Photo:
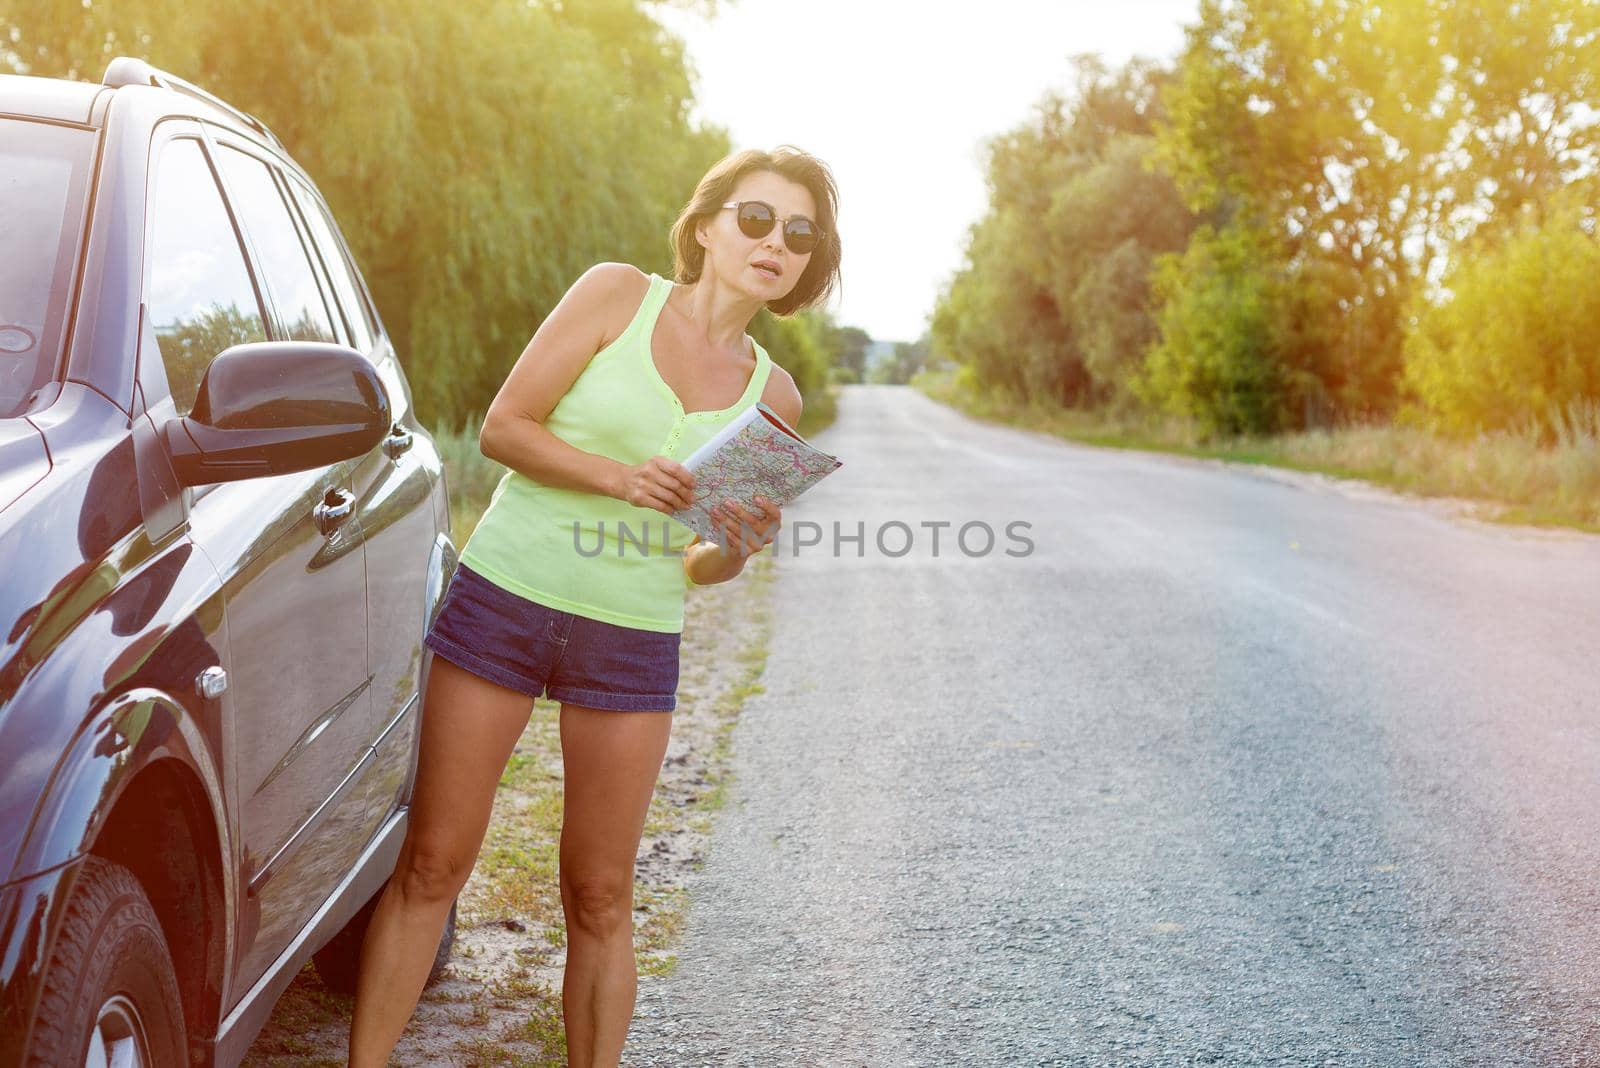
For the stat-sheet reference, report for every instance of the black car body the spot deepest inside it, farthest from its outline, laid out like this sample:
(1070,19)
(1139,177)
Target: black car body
(214,687)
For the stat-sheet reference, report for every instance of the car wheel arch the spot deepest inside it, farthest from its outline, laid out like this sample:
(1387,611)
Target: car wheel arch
(165,800)
(110,808)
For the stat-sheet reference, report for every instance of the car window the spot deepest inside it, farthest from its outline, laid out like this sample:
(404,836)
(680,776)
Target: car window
(44,173)
(330,299)
(201,299)
(333,259)
(301,312)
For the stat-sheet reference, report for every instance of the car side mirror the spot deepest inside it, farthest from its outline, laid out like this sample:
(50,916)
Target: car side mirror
(272,407)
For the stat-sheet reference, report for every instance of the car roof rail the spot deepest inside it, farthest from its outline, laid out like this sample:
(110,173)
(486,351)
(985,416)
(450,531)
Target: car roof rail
(130,70)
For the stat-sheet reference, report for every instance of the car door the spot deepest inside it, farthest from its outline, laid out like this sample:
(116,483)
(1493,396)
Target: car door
(395,506)
(287,547)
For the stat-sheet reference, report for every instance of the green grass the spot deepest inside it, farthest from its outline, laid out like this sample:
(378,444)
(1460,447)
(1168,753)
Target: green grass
(1520,478)
(520,851)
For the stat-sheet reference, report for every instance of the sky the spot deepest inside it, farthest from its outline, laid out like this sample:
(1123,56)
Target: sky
(898,99)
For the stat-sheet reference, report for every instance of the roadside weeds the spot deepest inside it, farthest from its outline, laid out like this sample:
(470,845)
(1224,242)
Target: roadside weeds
(1502,478)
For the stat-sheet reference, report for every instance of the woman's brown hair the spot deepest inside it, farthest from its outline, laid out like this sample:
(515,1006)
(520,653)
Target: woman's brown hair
(821,272)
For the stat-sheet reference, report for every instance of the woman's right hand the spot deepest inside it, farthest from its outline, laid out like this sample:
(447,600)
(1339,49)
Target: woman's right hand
(660,483)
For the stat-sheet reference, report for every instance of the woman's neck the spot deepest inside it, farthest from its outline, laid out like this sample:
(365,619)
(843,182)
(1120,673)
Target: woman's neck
(715,315)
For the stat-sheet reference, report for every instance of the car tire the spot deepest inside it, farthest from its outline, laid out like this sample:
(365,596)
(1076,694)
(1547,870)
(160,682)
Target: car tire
(110,980)
(339,962)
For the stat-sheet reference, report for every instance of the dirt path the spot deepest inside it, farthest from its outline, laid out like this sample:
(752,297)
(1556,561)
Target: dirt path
(499,1002)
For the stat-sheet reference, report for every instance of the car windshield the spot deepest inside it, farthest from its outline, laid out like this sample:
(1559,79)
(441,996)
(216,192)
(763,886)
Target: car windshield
(44,175)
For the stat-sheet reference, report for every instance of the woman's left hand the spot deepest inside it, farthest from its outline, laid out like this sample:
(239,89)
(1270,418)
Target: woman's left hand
(746,532)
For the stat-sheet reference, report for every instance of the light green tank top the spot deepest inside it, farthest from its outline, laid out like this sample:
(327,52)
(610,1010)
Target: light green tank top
(587,553)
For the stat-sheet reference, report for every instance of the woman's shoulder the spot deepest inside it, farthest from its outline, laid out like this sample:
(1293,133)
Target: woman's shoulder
(619,281)
(781,394)
(614,273)
(619,288)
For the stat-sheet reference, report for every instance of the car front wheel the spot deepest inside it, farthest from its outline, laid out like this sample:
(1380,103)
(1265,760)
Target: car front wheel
(110,994)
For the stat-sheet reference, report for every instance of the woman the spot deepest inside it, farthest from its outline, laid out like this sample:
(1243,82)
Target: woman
(625,378)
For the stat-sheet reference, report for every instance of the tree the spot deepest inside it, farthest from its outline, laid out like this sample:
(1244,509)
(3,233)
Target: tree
(479,156)
(909,357)
(1052,303)
(1513,341)
(1218,361)
(850,353)
(1371,139)
(1105,228)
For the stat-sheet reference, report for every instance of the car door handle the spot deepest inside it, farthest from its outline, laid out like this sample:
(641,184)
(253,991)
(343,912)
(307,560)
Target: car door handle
(398,441)
(336,506)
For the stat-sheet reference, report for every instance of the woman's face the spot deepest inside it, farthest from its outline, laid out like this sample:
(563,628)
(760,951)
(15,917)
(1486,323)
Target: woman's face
(732,255)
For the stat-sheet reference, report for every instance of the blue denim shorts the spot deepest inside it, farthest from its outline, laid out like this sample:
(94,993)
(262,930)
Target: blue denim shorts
(535,649)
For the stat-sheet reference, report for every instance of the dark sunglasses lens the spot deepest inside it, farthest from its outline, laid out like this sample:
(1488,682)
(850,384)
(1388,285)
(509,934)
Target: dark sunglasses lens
(800,235)
(755,219)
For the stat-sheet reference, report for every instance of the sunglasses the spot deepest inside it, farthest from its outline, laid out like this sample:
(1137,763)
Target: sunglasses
(756,217)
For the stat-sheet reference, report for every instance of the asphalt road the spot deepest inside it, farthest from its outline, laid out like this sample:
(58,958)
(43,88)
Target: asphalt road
(1230,768)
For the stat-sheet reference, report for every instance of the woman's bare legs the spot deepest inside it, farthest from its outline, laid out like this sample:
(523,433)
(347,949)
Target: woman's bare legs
(469,728)
(610,762)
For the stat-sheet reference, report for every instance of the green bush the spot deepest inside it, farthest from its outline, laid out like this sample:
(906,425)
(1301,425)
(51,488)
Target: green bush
(1516,342)
(1216,359)
(800,345)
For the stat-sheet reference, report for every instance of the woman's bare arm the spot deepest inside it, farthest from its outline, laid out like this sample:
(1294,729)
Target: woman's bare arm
(513,430)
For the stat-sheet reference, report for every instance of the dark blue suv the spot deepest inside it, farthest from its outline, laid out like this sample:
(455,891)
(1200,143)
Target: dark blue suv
(223,534)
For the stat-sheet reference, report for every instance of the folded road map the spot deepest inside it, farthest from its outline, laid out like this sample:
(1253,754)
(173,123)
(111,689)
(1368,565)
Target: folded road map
(756,454)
